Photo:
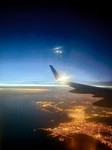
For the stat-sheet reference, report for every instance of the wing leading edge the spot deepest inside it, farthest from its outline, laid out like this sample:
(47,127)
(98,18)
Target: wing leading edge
(81,88)
(72,84)
(56,74)
(102,92)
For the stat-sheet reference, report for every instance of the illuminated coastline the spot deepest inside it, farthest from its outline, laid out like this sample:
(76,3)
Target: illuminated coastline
(79,123)
(82,126)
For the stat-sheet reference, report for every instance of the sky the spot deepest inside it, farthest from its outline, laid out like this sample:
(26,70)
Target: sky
(74,38)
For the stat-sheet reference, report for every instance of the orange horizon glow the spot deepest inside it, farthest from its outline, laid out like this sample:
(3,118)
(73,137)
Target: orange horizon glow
(27,89)
(34,89)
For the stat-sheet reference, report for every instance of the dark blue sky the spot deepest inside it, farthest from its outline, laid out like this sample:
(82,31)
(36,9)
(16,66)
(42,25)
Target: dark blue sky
(30,32)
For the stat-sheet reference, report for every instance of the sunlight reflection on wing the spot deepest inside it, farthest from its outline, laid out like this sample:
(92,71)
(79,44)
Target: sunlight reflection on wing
(63,79)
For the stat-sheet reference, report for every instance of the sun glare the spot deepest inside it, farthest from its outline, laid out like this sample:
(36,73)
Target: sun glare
(63,79)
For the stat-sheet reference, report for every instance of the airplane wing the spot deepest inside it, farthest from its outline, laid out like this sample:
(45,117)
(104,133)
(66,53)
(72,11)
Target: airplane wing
(56,74)
(103,92)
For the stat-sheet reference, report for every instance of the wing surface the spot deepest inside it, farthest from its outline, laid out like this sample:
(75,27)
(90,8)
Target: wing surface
(104,93)
(56,74)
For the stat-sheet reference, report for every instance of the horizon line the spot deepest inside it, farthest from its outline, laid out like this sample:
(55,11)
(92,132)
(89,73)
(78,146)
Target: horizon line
(28,85)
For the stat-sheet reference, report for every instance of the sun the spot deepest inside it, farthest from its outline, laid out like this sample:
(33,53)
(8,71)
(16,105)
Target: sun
(63,79)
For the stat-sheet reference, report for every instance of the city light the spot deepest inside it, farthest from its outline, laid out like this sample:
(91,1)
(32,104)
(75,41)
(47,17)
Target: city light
(79,123)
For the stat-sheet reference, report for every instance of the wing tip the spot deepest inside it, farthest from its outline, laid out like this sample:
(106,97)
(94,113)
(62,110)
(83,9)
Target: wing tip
(56,74)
